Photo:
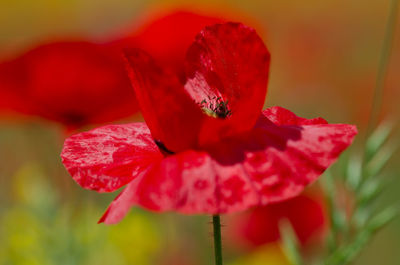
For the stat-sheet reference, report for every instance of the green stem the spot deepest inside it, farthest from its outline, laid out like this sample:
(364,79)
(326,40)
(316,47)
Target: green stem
(383,65)
(380,79)
(217,239)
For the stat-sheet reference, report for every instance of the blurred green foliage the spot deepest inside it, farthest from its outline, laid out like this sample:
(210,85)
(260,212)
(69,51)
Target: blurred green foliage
(38,229)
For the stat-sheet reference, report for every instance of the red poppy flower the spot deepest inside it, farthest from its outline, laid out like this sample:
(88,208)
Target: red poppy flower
(74,83)
(306,214)
(207,147)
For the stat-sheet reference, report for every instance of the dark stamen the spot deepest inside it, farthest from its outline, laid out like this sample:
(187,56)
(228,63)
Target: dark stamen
(164,150)
(216,107)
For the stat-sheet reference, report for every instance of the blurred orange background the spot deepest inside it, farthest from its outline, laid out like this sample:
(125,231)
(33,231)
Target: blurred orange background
(325,57)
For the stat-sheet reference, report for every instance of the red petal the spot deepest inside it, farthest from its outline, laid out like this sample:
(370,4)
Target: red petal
(282,116)
(280,160)
(122,203)
(107,158)
(286,152)
(170,113)
(229,61)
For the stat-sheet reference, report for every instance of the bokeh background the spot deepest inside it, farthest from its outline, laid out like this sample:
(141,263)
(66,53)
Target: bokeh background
(325,58)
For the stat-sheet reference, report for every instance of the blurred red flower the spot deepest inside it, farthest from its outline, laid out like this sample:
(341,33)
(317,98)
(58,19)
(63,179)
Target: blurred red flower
(167,36)
(75,83)
(78,82)
(208,147)
(259,226)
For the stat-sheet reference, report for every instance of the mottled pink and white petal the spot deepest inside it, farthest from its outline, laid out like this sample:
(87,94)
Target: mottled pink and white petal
(192,183)
(282,159)
(235,189)
(106,158)
(184,182)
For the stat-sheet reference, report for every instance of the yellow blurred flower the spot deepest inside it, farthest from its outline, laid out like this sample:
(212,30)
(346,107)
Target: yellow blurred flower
(268,254)
(137,237)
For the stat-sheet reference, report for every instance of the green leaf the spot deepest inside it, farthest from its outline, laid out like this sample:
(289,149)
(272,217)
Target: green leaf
(290,243)
(361,217)
(354,172)
(348,252)
(377,139)
(383,218)
(339,220)
(377,163)
(370,191)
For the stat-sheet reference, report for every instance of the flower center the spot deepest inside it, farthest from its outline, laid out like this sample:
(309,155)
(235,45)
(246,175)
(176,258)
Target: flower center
(216,107)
